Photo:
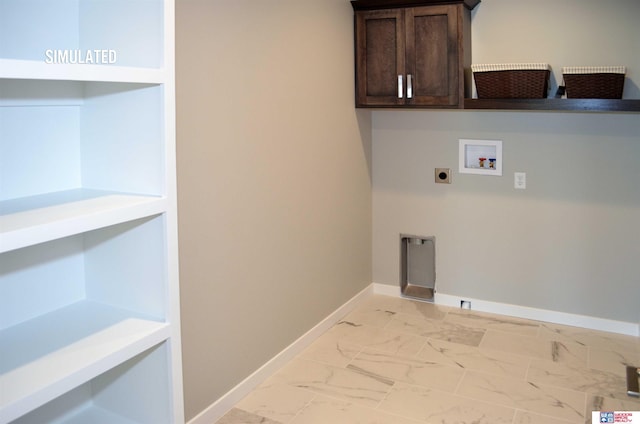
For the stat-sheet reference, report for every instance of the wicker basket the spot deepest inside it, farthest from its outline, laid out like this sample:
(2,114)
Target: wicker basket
(594,82)
(512,80)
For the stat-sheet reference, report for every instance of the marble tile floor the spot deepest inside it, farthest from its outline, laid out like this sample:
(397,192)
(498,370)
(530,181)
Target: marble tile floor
(398,361)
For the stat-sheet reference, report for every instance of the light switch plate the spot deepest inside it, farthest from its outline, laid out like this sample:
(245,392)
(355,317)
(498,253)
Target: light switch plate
(520,180)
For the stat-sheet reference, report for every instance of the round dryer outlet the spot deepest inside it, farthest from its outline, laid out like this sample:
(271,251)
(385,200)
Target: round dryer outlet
(443,175)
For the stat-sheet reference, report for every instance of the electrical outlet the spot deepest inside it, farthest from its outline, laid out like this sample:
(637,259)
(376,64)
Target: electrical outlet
(520,180)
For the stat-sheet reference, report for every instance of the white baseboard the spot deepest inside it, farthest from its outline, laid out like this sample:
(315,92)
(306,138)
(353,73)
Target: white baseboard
(593,323)
(221,406)
(386,290)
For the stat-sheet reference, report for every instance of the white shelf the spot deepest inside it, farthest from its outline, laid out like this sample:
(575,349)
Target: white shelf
(136,30)
(39,70)
(37,219)
(96,415)
(50,355)
(89,310)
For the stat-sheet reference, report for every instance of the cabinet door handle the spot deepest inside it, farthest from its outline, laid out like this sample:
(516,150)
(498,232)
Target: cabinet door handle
(409,86)
(400,89)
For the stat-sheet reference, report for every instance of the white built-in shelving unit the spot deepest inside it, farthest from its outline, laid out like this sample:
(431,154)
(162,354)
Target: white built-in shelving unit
(89,296)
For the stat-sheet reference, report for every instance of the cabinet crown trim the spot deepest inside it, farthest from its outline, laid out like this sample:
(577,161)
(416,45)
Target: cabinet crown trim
(391,4)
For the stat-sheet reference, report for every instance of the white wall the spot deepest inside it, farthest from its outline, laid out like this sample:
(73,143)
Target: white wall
(274,185)
(567,243)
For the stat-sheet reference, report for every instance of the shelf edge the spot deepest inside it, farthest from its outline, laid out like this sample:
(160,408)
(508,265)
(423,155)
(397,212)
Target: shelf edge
(40,225)
(134,337)
(39,70)
(567,105)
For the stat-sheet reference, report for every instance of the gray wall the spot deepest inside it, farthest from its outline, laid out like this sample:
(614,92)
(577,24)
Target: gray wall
(567,243)
(273,179)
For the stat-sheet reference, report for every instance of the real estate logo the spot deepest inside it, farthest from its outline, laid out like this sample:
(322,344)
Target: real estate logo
(630,417)
(81,57)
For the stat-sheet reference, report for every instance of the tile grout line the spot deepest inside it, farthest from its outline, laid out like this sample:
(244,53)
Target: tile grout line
(299,411)
(464,374)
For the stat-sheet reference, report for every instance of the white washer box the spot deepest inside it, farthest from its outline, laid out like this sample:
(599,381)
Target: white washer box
(481,157)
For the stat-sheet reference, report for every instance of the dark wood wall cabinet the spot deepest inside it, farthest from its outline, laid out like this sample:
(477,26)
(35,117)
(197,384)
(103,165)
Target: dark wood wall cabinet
(417,54)
(412,53)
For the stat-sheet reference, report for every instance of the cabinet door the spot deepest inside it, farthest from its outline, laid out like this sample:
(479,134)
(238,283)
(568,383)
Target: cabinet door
(380,59)
(432,58)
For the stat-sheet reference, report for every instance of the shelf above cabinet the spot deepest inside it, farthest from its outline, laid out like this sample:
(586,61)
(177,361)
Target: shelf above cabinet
(37,219)
(49,355)
(567,105)
(388,4)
